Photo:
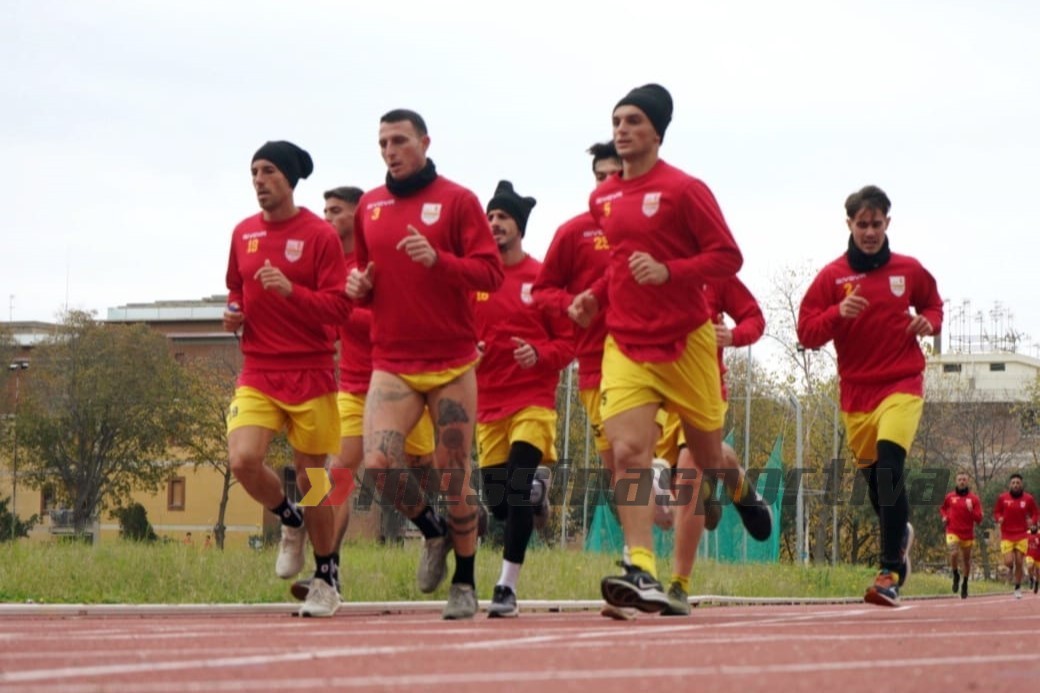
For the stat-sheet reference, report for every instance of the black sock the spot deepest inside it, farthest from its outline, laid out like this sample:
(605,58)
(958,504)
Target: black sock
(894,506)
(464,570)
(326,568)
(289,514)
(523,460)
(430,523)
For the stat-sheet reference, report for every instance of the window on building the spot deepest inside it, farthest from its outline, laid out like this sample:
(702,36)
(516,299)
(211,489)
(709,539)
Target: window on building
(997,367)
(175,489)
(951,368)
(48,499)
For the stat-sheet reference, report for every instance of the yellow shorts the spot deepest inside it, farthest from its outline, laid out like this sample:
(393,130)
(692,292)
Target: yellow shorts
(1030,561)
(533,425)
(690,386)
(895,419)
(672,439)
(1022,546)
(352,415)
(590,400)
(310,426)
(425,382)
(953,540)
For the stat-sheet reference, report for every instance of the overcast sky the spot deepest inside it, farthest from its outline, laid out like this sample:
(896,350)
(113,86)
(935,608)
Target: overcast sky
(128,127)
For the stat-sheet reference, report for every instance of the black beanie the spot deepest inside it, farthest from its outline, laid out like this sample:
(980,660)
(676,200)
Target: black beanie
(506,199)
(293,162)
(653,100)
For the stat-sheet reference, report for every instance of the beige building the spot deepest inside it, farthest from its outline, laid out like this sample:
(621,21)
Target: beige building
(189,499)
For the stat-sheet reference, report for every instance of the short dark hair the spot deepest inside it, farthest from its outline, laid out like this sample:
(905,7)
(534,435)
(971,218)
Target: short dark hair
(399,114)
(869,197)
(601,151)
(1016,475)
(347,193)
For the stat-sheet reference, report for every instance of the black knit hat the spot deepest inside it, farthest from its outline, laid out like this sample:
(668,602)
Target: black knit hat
(293,162)
(506,199)
(653,100)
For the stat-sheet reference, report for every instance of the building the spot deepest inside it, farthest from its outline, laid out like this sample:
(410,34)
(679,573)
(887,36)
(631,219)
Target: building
(190,497)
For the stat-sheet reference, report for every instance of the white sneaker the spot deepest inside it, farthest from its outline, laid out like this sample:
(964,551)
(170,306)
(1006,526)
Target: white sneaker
(662,500)
(290,552)
(322,600)
(1018,594)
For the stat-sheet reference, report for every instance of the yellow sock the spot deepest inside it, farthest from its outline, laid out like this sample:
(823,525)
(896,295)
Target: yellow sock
(743,489)
(683,580)
(644,560)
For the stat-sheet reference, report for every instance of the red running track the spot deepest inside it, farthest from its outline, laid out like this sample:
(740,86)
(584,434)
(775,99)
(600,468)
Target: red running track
(988,644)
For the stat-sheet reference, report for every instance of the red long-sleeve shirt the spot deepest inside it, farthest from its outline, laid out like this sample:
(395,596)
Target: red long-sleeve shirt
(877,357)
(579,254)
(732,297)
(674,218)
(1034,546)
(355,346)
(296,332)
(1015,515)
(505,388)
(958,518)
(422,318)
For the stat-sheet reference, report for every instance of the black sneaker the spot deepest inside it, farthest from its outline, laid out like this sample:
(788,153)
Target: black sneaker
(956,581)
(964,588)
(678,601)
(635,589)
(756,516)
(503,603)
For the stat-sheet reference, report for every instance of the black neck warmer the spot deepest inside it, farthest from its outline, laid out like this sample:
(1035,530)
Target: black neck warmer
(861,262)
(413,183)
(961,491)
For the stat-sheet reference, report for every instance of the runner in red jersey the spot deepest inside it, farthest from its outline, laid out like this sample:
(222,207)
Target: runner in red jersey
(523,351)
(724,297)
(578,255)
(874,305)
(1033,559)
(961,511)
(667,236)
(285,280)
(1015,512)
(423,247)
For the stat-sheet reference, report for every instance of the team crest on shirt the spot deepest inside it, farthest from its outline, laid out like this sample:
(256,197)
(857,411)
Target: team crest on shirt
(431,212)
(525,293)
(293,250)
(651,203)
(898,285)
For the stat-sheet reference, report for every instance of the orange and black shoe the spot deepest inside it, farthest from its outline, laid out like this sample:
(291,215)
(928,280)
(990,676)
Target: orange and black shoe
(885,590)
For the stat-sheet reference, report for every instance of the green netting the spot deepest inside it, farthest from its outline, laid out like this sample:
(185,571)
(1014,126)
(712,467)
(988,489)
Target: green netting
(729,542)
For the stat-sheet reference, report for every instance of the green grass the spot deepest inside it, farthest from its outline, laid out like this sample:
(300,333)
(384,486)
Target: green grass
(119,572)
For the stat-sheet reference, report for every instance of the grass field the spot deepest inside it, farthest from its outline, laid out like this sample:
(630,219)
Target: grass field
(125,572)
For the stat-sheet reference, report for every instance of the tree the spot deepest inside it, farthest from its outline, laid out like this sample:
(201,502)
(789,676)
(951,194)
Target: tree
(211,387)
(21,527)
(134,524)
(100,414)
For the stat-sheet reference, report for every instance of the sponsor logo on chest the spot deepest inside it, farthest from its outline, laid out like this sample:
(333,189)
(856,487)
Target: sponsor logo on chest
(897,284)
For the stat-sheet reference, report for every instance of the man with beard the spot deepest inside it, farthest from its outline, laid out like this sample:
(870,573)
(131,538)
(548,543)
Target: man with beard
(1015,511)
(961,511)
